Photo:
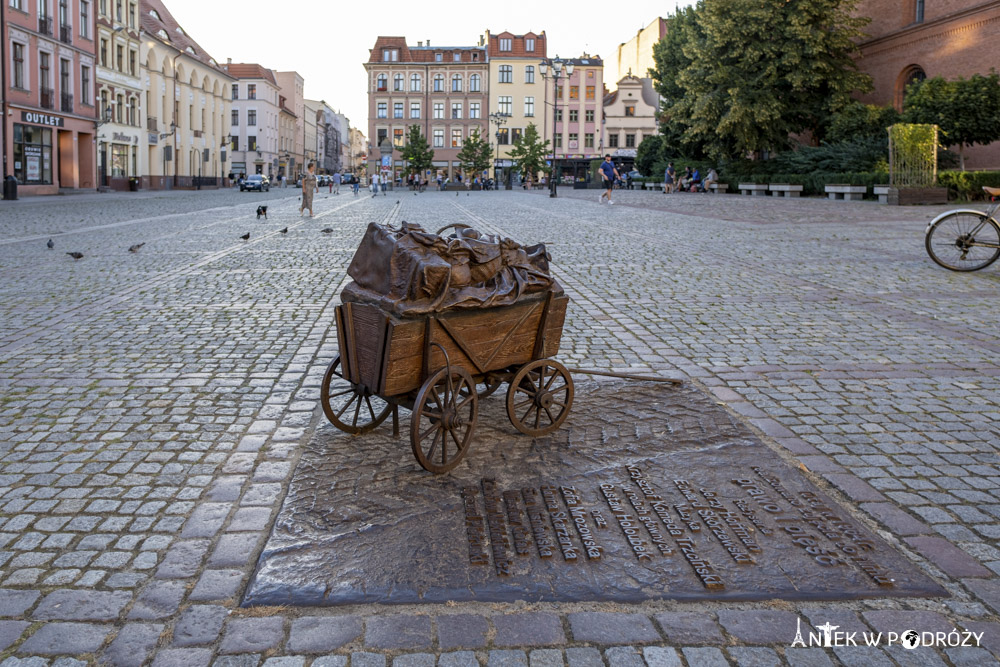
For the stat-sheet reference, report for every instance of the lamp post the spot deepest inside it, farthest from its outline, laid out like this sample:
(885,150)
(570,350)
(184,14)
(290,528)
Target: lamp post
(557,66)
(497,119)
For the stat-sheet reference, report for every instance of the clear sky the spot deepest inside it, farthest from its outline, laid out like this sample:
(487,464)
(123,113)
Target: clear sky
(327,42)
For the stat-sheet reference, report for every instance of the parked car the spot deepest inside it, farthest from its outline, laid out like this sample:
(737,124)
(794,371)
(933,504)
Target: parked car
(322,181)
(256,182)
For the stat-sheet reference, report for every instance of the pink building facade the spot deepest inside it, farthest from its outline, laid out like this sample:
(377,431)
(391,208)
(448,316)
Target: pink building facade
(50,114)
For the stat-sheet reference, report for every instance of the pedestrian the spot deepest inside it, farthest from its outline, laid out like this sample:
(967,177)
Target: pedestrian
(669,178)
(308,189)
(374,184)
(383,181)
(355,183)
(337,180)
(608,175)
(284,181)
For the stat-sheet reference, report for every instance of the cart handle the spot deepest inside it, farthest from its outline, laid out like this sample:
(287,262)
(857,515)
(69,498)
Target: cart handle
(456,225)
(447,364)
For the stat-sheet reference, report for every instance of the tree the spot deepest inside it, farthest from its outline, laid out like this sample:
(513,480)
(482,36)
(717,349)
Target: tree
(529,153)
(857,122)
(649,154)
(966,110)
(475,154)
(670,58)
(418,155)
(758,71)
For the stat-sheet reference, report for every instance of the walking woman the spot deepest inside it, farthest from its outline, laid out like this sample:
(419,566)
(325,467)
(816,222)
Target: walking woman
(308,189)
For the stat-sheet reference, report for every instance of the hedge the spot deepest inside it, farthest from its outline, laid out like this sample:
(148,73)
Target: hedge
(968,185)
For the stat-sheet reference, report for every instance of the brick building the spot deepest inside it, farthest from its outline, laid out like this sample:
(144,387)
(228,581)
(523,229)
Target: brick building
(443,89)
(912,39)
(48,87)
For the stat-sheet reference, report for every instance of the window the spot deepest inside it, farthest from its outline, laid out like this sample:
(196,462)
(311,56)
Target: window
(559,91)
(251,91)
(504,104)
(559,115)
(529,73)
(918,15)
(397,109)
(557,140)
(132,104)
(506,74)
(414,83)
(32,154)
(131,14)
(574,116)
(120,58)
(252,117)
(119,108)
(456,83)
(18,66)
(439,83)
(234,143)
(439,138)
(382,135)
(397,83)
(589,115)
(529,44)
(84,19)
(474,83)
(65,89)
(503,136)
(474,110)
(438,57)
(574,92)
(414,109)
(591,91)
(236,91)
(85,84)
(118,10)
(456,110)
(105,107)
(382,83)
(515,135)
(588,140)
(43,69)
(16,4)
(252,143)
(629,141)
(104,53)
(390,55)
(131,62)
(458,57)
(382,110)
(439,110)
(613,140)
(456,138)
(573,139)
(505,44)
(397,137)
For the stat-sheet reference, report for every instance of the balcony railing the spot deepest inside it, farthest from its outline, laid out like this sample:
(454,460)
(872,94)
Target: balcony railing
(151,124)
(48,98)
(65,34)
(67,103)
(45,25)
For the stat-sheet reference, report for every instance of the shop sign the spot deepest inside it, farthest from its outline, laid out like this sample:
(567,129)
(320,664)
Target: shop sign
(33,156)
(41,119)
(123,138)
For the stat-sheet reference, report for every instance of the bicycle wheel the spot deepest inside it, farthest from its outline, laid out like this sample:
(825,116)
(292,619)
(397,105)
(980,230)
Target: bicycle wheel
(964,241)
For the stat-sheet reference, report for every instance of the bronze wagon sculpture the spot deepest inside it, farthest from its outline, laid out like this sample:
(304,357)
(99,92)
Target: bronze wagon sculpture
(433,324)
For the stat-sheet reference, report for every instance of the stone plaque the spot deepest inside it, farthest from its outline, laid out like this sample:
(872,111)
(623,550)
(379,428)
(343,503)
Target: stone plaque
(647,491)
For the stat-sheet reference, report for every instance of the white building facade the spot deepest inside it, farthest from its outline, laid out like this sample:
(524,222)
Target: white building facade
(254,120)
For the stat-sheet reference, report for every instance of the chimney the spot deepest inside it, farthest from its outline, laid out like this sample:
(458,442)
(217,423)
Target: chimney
(229,61)
(420,43)
(428,42)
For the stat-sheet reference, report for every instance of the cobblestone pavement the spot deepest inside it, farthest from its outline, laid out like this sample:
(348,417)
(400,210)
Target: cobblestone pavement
(154,403)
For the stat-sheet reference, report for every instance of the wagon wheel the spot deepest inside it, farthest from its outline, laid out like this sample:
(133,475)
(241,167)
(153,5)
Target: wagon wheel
(350,407)
(490,383)
(443,420)
(539,397)
(456,225)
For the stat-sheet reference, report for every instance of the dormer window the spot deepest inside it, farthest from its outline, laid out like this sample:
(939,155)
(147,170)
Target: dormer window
(155,14)
(191,51)
(179,30)
(458,57)
(390,55)
(529,44)
(438,57)
(162,34)
(505,44)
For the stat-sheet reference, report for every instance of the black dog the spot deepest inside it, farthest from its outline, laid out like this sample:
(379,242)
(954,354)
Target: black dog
(262,211)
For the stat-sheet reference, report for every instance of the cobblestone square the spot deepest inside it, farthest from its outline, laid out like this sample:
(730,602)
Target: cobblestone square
(153,406)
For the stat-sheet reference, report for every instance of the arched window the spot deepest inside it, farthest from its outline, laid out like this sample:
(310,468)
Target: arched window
(909,76)
(382,83)
(456,83)
(415,83)
(397,83)
(474,83)
(439,83)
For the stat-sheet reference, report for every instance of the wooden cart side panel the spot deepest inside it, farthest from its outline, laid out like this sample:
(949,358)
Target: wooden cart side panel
(496,338)
(368,329)
(338,320)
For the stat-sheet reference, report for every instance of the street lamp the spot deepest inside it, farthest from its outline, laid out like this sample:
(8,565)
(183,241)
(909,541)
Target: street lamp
(498,119)
(557,66)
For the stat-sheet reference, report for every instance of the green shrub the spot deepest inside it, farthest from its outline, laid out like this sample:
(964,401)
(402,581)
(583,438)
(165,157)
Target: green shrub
(968,185)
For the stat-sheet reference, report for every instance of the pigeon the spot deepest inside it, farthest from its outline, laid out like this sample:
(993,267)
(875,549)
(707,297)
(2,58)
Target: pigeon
(136,247)
(246,237)
(283,231)
(50,245)
(327,231)
(397,201)
(75,255)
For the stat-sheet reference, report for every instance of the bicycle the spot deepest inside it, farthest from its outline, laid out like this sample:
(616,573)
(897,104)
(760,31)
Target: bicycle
(965,239)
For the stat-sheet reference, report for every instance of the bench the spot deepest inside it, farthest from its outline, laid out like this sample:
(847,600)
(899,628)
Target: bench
(785,190)
(652,186)
(846,192)
(753,189)
(719,188)
(886,194)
